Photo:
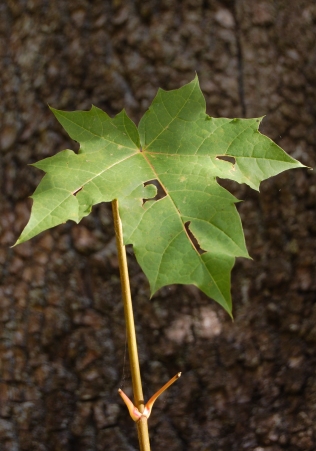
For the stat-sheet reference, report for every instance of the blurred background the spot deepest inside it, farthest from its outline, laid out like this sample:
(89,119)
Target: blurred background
(246,385)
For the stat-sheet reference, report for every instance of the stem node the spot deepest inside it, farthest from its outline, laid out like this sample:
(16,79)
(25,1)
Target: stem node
(134,412)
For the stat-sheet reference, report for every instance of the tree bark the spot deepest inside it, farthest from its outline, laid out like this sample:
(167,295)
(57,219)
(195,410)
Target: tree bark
(247,385)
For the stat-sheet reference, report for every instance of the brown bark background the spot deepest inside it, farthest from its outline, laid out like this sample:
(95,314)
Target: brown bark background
(247,385)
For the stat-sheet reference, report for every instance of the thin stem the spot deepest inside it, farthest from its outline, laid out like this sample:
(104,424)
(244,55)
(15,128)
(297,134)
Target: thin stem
(142,425)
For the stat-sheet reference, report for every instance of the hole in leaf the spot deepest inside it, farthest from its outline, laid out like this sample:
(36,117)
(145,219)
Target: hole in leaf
(129,249)
(227,158)
(160,191)
(77,191)
(194,241)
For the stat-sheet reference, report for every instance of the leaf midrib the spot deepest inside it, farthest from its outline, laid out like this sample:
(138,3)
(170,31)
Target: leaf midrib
(81,186)
(100,136)
(183,226)
(173,119)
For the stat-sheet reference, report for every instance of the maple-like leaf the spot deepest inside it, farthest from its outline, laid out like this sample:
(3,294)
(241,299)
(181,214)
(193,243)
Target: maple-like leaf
(178,147)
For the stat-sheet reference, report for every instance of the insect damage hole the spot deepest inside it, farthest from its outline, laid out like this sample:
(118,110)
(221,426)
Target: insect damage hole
(194,241)
(226,158)
(74,193)
(161,193)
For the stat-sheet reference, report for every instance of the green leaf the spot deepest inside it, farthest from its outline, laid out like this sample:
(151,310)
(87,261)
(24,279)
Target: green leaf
(179,148)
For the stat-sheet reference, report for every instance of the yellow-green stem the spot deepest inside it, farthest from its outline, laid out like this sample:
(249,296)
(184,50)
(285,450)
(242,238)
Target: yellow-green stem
(142,425)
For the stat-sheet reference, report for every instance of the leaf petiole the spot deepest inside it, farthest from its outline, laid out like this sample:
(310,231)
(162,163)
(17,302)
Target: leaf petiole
(135,414)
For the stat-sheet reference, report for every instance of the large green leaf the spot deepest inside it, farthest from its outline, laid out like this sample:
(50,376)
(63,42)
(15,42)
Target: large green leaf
(179,148)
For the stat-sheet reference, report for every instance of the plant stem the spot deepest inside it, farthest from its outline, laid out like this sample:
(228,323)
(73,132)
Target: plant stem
(142,425)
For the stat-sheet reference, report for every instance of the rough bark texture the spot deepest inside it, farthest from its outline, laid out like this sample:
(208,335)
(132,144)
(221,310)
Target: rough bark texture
(247,385)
